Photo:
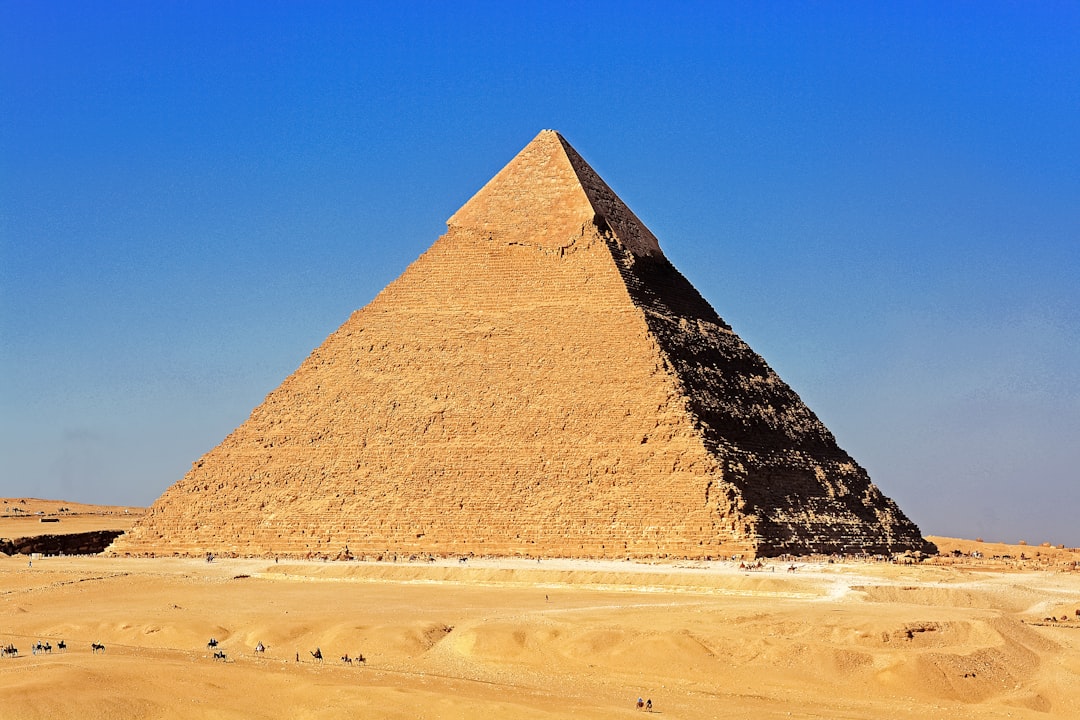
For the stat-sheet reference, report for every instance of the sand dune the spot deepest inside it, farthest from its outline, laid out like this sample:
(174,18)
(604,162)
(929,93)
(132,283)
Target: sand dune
(537,640)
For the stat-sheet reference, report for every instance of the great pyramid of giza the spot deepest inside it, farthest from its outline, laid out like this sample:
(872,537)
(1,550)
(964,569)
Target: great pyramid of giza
(540,382)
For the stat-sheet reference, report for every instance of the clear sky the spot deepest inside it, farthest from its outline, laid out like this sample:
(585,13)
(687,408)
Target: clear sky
(883,199)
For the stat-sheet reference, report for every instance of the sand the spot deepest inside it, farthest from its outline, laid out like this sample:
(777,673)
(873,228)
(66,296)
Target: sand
(29,517)
(518,639)
(953,637)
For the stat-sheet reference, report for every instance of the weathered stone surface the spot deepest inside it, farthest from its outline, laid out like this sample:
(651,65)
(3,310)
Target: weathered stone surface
(83,543)
(542,381)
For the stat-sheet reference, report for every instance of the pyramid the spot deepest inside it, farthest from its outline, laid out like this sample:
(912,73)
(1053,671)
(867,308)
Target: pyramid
(541,382)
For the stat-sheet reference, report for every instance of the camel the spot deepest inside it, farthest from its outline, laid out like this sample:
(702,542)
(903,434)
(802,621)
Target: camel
(260,648)
(212,644)
(219,655)
(317,655)
(346,659)
(94,647)
(9,649)
(61,646)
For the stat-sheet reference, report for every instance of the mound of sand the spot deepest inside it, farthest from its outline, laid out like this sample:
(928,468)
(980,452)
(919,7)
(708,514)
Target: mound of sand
(503,638)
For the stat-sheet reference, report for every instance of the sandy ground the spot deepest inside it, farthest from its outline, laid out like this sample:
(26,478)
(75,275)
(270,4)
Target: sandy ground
(536,640)
(953,638)
(22,517)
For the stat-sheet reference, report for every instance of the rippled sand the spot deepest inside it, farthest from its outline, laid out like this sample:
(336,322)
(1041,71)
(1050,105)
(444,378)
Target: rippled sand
(518,639)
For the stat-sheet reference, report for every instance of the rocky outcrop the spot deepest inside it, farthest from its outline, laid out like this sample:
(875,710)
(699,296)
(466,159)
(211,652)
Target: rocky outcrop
(542,381)
(84,543)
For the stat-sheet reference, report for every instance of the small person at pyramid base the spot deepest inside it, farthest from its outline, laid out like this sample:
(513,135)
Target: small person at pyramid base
(541,382)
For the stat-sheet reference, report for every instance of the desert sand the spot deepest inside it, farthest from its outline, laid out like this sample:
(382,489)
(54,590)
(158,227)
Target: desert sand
(500,638)
(29,517)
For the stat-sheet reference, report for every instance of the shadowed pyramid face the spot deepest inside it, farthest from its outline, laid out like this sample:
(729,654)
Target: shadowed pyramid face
(542,381)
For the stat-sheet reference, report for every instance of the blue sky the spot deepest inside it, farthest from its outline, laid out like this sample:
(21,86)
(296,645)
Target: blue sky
(883,199)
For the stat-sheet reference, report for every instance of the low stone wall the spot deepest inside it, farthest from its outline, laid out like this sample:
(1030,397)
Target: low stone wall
(87,543)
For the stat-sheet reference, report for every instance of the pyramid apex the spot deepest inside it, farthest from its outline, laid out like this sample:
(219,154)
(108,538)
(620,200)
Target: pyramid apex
(549,194)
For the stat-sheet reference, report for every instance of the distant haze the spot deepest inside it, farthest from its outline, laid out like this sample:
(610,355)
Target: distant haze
(881,200)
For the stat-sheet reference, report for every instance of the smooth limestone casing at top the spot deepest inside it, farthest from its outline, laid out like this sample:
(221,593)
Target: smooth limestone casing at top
(540,382)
